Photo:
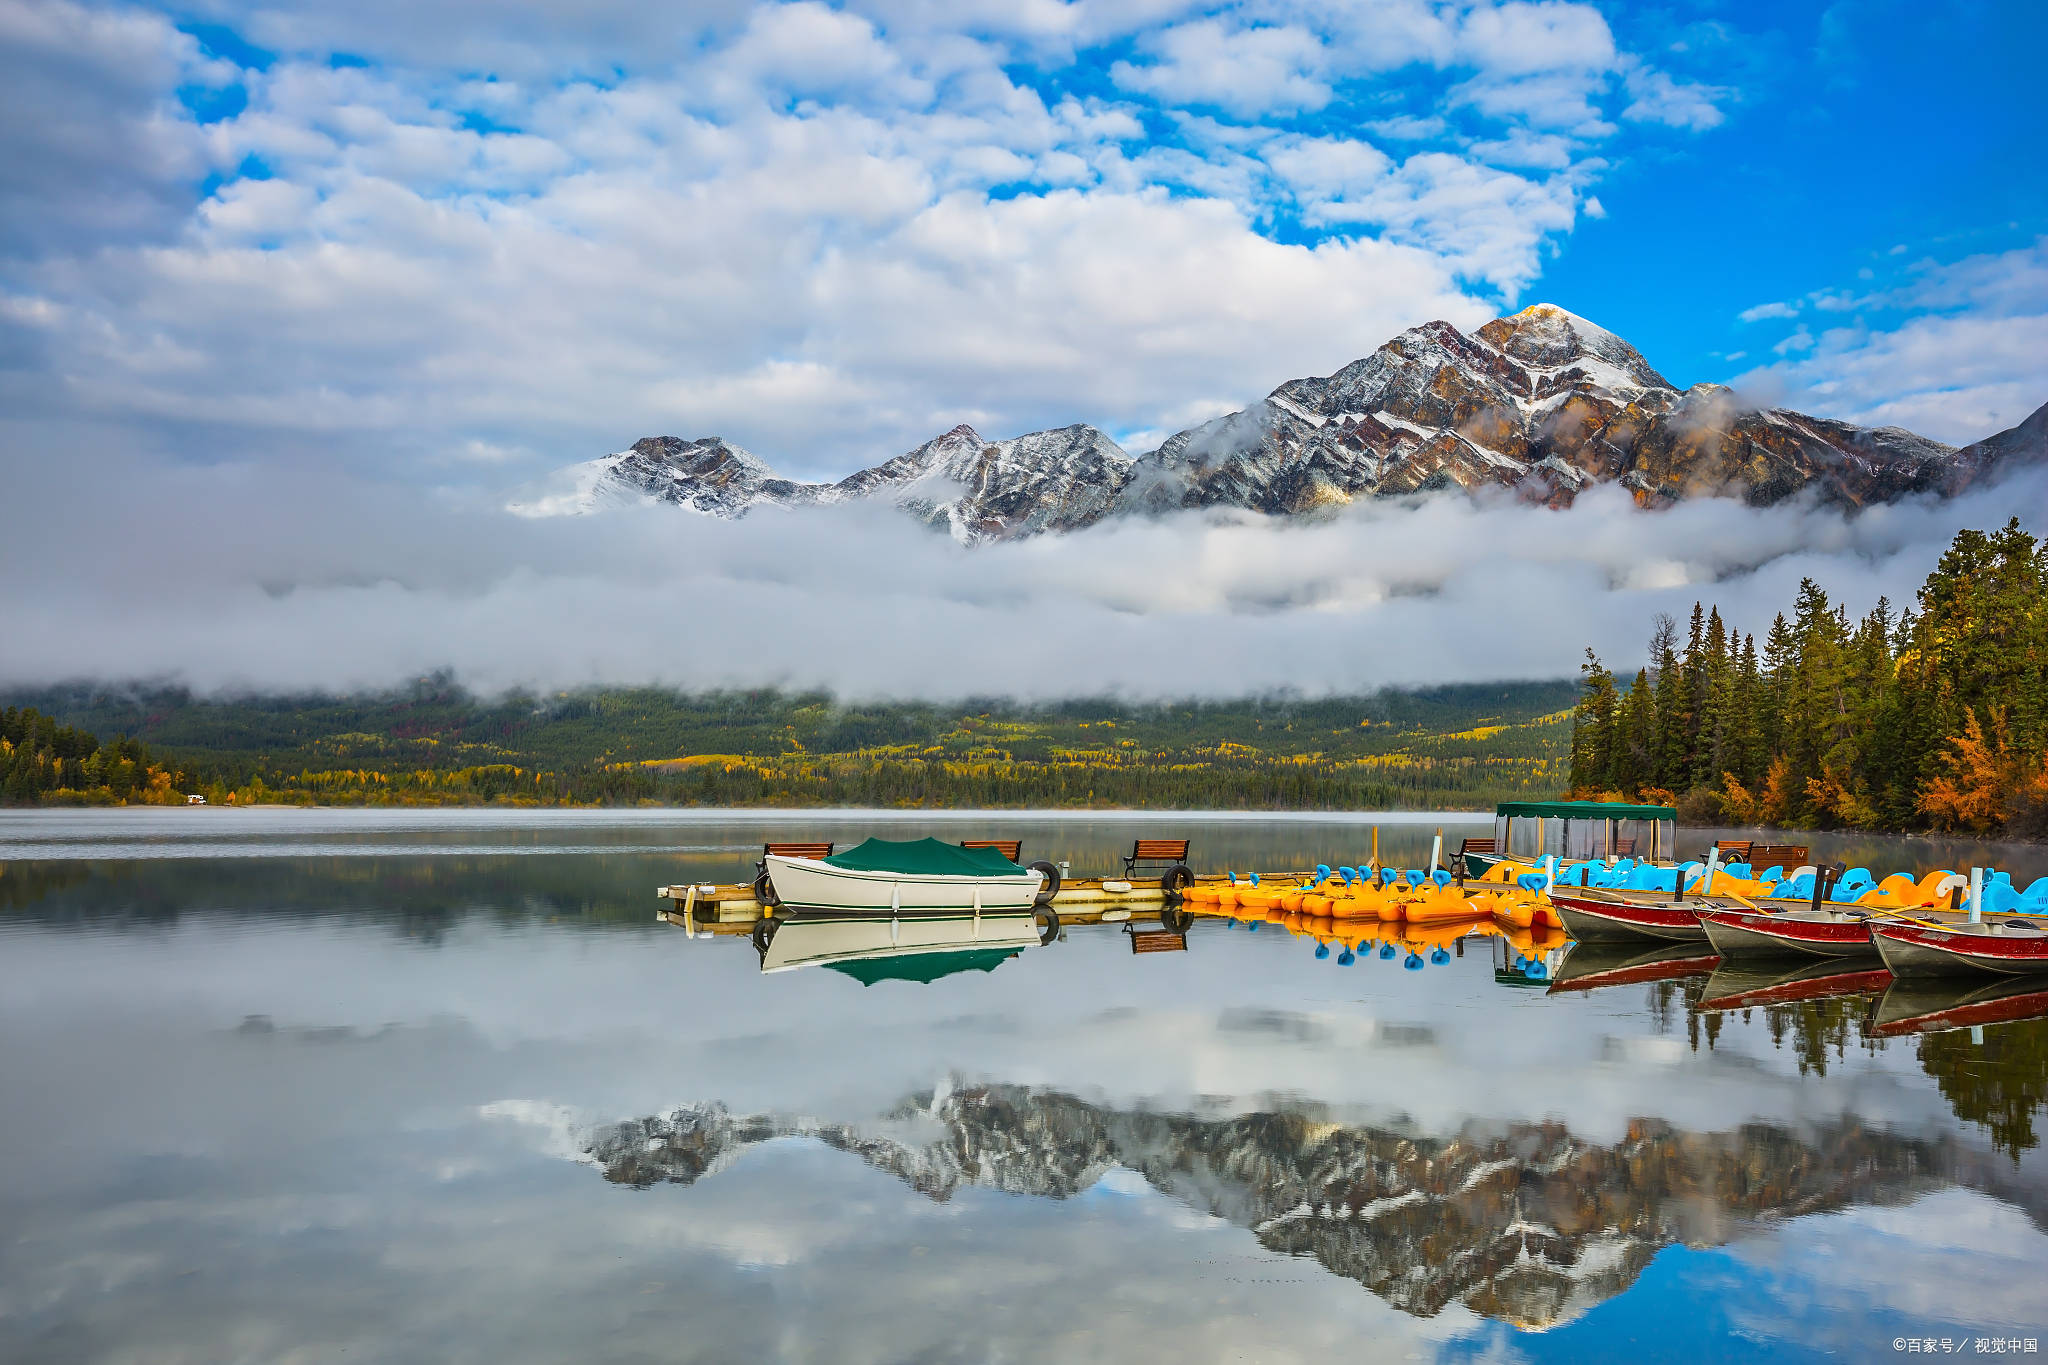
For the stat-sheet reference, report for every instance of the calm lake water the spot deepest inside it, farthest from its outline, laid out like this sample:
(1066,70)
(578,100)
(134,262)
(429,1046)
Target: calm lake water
(327,1086)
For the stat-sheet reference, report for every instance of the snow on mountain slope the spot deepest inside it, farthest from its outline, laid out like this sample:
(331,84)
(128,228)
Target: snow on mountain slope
(1543,403)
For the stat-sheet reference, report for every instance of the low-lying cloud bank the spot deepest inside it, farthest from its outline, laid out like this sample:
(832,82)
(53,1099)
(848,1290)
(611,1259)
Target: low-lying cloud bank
(238,578)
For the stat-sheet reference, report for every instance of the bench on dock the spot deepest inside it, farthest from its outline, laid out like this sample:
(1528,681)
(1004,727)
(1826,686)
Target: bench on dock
(1488,846)
(1623,848)
(1013,849)
(1155,853)
(796,851)
(1734,850)
(1763,857)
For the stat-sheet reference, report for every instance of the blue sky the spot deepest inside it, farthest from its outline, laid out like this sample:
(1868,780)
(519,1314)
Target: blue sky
(461,243)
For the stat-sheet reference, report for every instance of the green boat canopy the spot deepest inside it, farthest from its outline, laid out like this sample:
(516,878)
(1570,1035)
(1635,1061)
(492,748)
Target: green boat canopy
(926,856)
(923,967)
(1583,810)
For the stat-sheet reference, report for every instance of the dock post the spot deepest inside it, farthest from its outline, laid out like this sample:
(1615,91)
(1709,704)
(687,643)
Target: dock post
(1976,895)
(1436,851)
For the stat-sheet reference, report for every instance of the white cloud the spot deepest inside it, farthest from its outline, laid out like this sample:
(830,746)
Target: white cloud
(1763,311)
(1654,97)
(826,231)
(1525,39)
(246,576)
(1800,340)
(1243,70)
(1969,368)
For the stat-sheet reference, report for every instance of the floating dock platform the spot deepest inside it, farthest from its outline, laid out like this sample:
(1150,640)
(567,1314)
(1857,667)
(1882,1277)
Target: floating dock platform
(1081,899)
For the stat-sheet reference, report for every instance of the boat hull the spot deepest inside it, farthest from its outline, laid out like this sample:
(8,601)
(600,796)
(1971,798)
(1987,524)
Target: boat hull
(1673,922)
(1913,950)
(809,884)
(1749,932)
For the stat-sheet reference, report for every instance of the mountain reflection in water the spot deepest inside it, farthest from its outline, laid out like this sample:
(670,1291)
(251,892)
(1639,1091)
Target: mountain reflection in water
(1530,1224)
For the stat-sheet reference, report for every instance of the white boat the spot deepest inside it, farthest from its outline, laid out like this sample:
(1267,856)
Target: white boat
(901,878)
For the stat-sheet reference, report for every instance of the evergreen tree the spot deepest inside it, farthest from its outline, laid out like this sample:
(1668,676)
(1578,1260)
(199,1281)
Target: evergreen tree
(1593,730)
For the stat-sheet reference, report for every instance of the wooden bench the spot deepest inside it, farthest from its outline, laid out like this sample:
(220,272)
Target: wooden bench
(1490,846)
(1623,848)
(797,850)
(1161,853)
(1733,850)
(1013,849)
(1763,857)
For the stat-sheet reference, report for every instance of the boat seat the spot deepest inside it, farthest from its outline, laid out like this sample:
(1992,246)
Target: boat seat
(1794,889)
(1738,870)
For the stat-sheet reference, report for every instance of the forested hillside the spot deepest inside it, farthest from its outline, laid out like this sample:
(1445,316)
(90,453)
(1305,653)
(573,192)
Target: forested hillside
(433,743)
(41,760)
(1935,717)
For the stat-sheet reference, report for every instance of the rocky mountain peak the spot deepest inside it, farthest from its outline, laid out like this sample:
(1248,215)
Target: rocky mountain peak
(1541,403)
(1546,337)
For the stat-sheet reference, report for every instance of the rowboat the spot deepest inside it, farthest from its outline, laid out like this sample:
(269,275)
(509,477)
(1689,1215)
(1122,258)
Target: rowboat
(1804,933)
(898,878)
(1734,987)
(2008,947)
(1599,917)
(1925,1005)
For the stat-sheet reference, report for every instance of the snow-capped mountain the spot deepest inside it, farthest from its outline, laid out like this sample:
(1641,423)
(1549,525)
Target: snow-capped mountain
(1543,403)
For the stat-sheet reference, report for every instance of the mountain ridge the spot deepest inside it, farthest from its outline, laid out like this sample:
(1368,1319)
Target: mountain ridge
(1542,403)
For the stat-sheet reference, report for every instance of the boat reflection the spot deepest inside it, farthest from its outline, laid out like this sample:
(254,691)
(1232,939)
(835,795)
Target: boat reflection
(918,949)
(1933,1004)
(1597,965)
(1531,1224)
(1743,984)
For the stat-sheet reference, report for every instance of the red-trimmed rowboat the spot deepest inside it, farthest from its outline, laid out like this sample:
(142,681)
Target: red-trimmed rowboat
(1586,917)
(2007,947)
(1808,933)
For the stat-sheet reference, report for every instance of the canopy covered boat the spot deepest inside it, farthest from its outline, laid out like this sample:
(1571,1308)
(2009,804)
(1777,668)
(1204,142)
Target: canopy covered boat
(895,878)
(871,949)
(1528,831)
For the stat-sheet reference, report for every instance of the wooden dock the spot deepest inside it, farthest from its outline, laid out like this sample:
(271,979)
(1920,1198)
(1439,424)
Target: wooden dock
(1082,900)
